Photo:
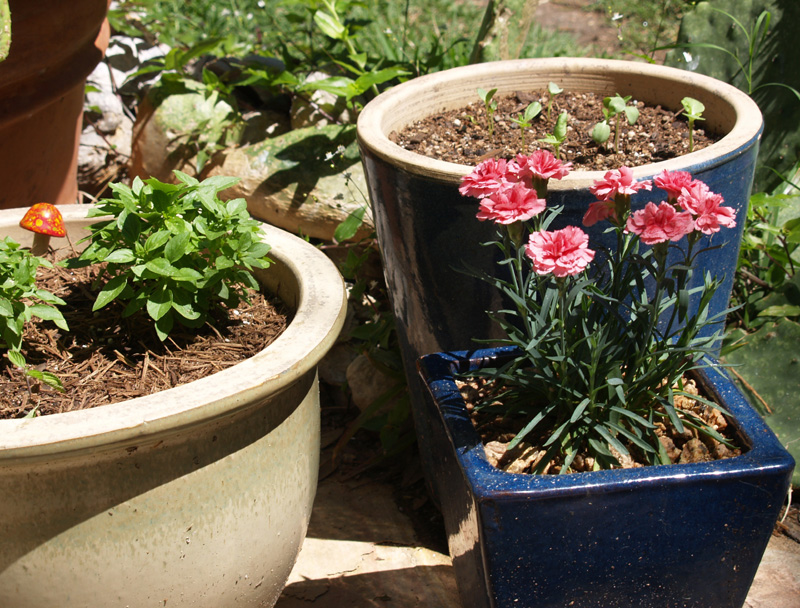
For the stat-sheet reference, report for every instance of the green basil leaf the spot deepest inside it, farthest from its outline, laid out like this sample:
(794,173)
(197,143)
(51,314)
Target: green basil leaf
(110,291)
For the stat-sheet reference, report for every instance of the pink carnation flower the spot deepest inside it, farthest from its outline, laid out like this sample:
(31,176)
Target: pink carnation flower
(541,164)
(515,204)
(487,178)
(659,223)
(599,211)
(618,181)
(560,252)
(707,208)
(672,182)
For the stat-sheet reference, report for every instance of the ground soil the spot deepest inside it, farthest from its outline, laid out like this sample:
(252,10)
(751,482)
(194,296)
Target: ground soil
(461,136)
(497,431)
(105,358)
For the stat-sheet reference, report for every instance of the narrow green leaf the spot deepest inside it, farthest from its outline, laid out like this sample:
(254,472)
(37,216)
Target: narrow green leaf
(217,183)
(370,79)
(612,441)
(329,25)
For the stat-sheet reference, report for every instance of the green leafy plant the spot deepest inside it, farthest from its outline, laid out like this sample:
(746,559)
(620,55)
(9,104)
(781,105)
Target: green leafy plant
(553,89)
(613,110)
(20,300)
(358,73)
(693,111)
(525,120)
(490,105)
(767,283)
(216,106)
(559,134)
(176,252)
(604,337)
(756,36)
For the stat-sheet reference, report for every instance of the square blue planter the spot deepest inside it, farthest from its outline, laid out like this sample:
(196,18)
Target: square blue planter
(674,536)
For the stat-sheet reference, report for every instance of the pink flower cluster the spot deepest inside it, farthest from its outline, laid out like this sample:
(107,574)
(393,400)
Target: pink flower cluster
(513,191)
(508,190)
(509,193)
(690,206)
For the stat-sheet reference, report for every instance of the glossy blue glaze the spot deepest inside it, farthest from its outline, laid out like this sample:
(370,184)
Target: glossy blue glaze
(676,536)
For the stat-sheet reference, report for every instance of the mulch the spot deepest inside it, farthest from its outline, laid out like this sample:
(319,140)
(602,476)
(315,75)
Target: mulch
(106,358)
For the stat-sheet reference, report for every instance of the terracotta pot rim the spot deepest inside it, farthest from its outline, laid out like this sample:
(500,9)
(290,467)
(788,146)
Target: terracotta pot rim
(453,88)
(299,270)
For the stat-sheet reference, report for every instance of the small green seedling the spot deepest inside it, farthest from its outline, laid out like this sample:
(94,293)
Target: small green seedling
(524,120)
(692,110)
(175,251)
(559,134)
(554,90)
(487,97)
(613,110)
(20,300)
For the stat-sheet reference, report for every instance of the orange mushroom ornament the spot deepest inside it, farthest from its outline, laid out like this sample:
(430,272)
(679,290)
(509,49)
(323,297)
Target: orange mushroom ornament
(44,220)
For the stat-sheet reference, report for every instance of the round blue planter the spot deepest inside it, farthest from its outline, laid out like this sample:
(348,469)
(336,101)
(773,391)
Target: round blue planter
(676,536)
(427,231)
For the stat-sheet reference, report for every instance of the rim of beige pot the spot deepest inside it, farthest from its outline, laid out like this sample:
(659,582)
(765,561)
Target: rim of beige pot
(728,110)
(320,308)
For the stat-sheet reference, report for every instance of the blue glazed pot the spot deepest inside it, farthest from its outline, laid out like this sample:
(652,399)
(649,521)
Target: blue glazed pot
(427,231)
(674,536)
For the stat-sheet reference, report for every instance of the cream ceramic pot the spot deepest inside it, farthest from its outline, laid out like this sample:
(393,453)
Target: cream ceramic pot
(196,496)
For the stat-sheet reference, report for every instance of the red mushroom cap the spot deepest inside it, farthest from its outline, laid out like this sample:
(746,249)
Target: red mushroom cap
(44,218)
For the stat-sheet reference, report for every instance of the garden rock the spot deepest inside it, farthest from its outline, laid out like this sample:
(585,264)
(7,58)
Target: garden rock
(333,366)
(306,181)
(102,100)
(125,56)
(368,383)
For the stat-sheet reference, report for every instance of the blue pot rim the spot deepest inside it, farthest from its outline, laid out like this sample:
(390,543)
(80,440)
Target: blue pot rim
(764,453)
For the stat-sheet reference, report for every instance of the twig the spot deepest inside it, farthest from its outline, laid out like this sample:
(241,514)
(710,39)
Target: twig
(750,388)
(788,503)
(145,365)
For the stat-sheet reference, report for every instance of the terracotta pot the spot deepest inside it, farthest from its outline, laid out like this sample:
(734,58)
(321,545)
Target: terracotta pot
(198,496)
(427,231)
(54,46)
(689,535)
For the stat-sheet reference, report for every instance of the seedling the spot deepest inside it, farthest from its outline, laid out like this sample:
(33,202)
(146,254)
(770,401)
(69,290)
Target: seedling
(559,134)
(554,90)
(20,300)
(487,97)
(524,120)
(692,110)
(613,110)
